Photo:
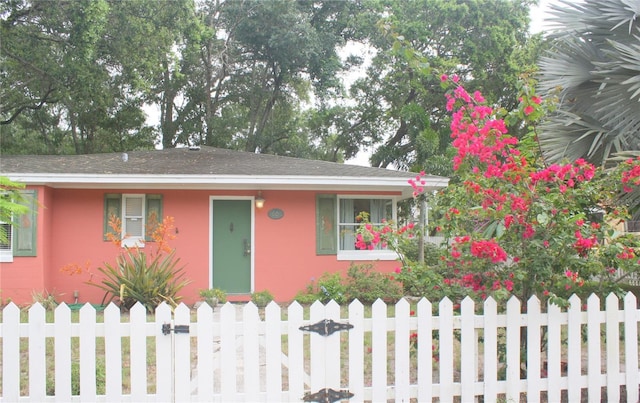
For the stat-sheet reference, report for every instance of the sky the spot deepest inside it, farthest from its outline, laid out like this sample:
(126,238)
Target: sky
(537,14)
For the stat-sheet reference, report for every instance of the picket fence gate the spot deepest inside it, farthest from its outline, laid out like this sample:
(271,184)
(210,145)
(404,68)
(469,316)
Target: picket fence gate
(240,354)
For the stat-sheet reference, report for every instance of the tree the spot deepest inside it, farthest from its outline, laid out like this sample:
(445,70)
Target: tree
(509,206)
(399,99)
(79,72)
(594,69)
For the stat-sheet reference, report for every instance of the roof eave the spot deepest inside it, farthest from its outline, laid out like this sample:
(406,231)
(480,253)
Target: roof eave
(236,182)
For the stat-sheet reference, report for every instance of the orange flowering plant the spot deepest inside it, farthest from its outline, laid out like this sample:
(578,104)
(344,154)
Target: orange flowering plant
(149,275)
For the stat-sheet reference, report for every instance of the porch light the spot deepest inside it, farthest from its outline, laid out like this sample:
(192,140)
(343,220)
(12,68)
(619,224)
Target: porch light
(259,200)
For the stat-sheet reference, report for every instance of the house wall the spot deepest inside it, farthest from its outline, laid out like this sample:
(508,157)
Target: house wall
(20,278)
(70,239)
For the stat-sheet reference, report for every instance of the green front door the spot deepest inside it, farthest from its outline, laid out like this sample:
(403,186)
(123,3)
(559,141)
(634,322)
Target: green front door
(232,248)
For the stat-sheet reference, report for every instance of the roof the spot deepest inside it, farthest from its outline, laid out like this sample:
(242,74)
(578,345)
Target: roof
(204,167)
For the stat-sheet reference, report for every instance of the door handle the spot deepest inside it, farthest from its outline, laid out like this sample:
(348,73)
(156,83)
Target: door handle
(247,248)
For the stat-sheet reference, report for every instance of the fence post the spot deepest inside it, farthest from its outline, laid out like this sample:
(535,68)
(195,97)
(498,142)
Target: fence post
(631,347)
(425,353)
(513,349)
(273,346)
(251,359)
(11,352)
(138,351)
(593,348)
(468,344)
(490,350)
(356,351)
(205,352)
(112,353)
(296,351)
(62,348)
(228,352)
(613,348)
(445,338)
(182,355)
(534,321)
(379,351)
(574,347)
(554,352)
(37,364)
(164,354)
(401,378)
(87,353)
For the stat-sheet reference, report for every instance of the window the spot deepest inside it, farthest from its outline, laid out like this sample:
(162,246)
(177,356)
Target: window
(633,226)
(21,232)
(338,218)
(6,249)
(135,216)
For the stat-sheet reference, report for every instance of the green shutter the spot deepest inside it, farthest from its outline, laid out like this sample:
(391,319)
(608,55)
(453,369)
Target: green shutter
(112,207)
(153,214)
(326,224)
(25,228)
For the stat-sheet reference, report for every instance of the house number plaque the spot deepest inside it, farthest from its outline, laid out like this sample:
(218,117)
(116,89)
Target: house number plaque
(275,213)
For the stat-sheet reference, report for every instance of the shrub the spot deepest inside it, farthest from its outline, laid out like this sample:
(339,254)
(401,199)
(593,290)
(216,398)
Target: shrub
(133,278)
(213,296)
(46,299)
(329,287)
(367,285)
(261,298)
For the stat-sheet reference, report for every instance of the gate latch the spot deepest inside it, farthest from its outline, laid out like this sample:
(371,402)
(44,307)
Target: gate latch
(167,329)
(327,395)
(326,327)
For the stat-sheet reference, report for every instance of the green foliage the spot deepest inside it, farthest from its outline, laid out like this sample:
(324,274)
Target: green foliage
(362,282)
(47,299)
(213,296)
(136,278)
(329,287)
(261,298)
(12,204)
(367,285)
(75,378)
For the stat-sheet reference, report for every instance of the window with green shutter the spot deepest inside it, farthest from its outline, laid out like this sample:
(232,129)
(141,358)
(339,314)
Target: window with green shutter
(131,217)
(21,233)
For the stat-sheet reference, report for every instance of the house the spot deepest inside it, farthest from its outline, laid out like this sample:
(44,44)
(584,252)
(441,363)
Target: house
(243,222)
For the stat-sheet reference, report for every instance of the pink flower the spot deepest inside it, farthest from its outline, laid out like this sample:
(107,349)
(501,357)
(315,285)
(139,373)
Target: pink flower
(536,100)
(528,110)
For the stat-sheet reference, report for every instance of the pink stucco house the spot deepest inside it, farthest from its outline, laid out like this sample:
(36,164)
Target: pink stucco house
(225,236)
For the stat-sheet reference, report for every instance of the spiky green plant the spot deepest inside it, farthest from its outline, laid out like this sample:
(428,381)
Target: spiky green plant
(137,277)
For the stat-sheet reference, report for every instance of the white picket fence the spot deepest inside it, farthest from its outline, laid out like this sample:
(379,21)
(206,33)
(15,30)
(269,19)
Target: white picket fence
(234,354)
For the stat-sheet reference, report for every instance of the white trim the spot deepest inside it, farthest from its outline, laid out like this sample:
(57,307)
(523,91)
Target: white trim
(228,182)
(253,232)
(367,255)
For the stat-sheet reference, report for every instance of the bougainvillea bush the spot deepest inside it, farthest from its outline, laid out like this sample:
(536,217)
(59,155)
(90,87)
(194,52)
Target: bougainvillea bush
(513,225)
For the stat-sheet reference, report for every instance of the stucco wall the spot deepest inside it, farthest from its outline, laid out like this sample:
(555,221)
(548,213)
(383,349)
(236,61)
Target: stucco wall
(70,232)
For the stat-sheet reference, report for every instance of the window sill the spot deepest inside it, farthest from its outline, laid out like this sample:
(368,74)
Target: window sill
(6,257)
(132,243)
(367,255)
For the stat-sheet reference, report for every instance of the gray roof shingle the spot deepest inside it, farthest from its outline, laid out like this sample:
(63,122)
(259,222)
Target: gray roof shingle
(185,162)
